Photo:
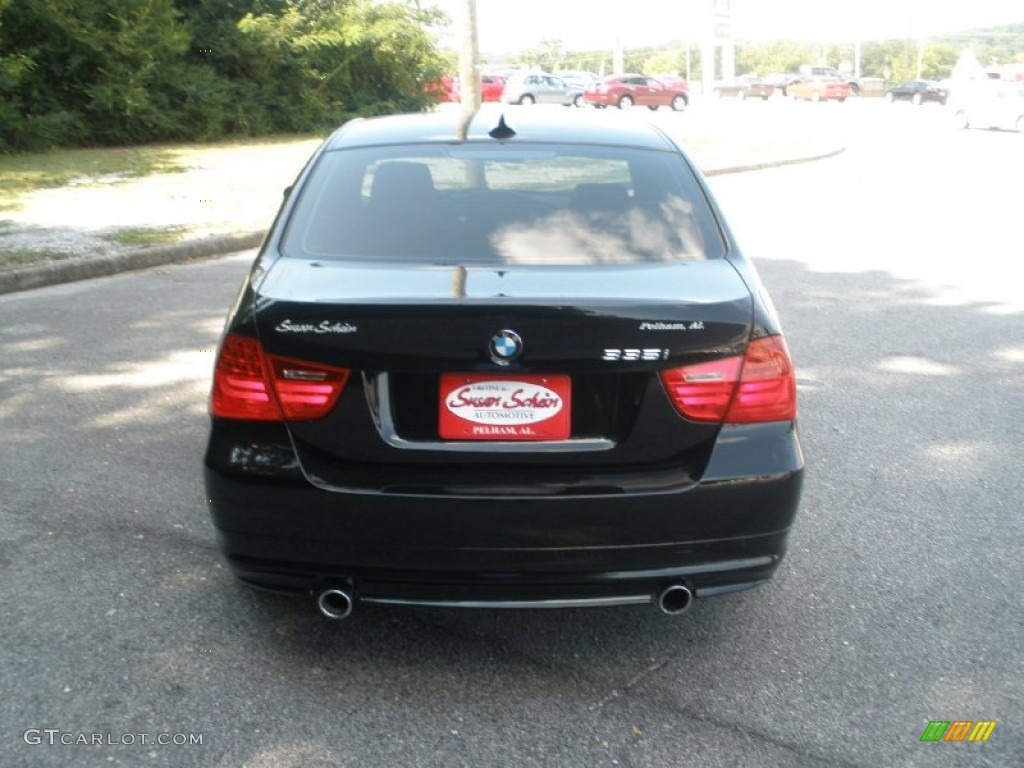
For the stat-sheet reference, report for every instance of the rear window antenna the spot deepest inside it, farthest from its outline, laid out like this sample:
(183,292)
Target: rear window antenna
(501,130)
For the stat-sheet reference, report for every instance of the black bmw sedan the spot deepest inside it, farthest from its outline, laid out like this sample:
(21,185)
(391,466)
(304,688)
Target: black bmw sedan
(524,367)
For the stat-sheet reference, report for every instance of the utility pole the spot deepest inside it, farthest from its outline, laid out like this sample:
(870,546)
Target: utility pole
(469,55)
(717,23)
(618,55)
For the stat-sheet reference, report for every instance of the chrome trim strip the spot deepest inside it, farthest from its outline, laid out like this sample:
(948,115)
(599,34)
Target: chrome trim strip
(693,570)
(378,397)
(299,375)
(576,602)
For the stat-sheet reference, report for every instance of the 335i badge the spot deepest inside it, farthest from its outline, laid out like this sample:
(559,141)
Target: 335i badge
(529,367)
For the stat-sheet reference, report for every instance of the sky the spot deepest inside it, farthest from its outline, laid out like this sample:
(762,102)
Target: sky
(511,25)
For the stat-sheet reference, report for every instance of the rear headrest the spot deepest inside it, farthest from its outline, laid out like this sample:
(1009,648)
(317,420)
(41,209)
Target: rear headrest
(401,182)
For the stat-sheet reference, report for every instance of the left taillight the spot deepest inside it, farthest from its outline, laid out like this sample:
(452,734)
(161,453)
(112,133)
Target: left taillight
(757,387)
(250,384)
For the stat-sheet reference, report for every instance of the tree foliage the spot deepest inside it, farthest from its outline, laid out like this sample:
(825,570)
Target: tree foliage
(130,71)
(892,60)
(993,46)
(548,55)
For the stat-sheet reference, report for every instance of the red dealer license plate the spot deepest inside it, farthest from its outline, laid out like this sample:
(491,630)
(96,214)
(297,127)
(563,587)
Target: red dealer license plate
(504,407)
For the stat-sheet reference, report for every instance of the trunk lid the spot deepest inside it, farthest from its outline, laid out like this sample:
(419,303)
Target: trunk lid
(604,331)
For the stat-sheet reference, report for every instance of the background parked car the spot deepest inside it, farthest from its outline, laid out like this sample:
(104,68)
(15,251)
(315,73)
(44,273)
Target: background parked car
(577,78)
(673,81)
(820,89)
(627,90)
(917,91)
(541,88)
(808,72)
(744,87)
(443,88)
(781,80)
(491,88)
(990,104)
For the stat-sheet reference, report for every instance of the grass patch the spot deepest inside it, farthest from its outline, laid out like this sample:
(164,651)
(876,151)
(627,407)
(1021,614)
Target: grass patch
(145,236)
(21,174)
(27,256)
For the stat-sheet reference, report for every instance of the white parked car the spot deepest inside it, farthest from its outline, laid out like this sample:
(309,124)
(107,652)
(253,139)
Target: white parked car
(990,104)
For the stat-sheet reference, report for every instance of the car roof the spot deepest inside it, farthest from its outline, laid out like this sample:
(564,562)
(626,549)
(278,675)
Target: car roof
(530,125)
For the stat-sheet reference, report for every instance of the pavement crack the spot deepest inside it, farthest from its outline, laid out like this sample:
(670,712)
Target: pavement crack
(616,693)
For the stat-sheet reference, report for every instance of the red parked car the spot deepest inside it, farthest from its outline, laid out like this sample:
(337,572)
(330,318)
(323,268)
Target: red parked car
(443,88)
(625,91)
(491,88)
(820,89)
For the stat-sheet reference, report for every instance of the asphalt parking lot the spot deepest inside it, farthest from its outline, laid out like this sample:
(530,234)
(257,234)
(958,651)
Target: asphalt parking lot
(899,603)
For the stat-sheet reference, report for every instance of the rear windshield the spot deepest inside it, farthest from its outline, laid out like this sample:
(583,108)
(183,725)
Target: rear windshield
(501,204)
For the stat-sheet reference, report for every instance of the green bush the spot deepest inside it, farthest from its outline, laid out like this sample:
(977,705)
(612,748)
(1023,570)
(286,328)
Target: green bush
(113,72)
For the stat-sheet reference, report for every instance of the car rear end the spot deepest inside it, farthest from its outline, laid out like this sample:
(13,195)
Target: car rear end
(604,92)
(836,90)
(521,371)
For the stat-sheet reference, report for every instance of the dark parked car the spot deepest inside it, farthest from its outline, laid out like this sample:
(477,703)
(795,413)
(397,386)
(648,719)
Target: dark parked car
(625,91)
(917,91)
(525,367)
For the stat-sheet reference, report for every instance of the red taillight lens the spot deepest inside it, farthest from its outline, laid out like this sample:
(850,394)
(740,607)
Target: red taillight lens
(240,386)
(760,386)
(248,384)
(767,390)
(703,392)
(306,391)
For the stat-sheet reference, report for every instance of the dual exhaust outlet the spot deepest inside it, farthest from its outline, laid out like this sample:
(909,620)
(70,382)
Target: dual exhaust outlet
(338,602)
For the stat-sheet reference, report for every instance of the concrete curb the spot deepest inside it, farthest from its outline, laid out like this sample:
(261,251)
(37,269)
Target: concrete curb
(55,272)
(774,163)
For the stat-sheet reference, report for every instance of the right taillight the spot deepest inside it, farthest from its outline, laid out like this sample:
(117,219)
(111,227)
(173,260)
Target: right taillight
(249,384)
(759,386)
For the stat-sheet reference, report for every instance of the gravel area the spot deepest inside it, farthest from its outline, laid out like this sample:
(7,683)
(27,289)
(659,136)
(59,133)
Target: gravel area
(223,190)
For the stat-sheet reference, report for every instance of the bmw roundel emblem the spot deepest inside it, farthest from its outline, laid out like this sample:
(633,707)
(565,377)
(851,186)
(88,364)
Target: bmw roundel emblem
(505,347)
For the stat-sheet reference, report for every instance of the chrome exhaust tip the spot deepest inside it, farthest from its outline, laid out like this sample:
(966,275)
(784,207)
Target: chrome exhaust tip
(675,599)
(335,603)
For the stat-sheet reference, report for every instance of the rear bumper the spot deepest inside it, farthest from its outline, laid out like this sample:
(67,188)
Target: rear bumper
(725,532)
